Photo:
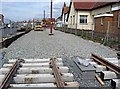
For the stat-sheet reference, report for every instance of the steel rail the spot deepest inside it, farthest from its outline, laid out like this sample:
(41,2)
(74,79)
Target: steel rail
(9,76)
(58,80)
(106,63)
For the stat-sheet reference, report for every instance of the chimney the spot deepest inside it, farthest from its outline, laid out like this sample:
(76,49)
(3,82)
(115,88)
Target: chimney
(64,4)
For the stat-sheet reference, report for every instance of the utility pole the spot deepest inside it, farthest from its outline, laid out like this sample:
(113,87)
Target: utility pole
(44,14)
(51,24)
(44,20)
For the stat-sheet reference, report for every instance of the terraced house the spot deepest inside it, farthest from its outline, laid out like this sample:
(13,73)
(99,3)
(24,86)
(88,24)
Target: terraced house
(97,16)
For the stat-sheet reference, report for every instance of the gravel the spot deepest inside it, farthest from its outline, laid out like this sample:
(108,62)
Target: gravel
(38,44)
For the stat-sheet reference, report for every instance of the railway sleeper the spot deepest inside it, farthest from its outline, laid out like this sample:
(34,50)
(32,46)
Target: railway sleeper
(69,85)
(34,64)
(100,68)
(115,83)
(35,70)
(107,75)
(36,60)
(41,78)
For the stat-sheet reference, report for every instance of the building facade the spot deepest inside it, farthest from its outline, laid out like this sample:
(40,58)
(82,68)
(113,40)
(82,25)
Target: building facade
(1,20)
(64,14)
(97,16)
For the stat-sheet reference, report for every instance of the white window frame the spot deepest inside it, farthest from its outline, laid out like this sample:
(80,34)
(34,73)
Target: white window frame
(84,18)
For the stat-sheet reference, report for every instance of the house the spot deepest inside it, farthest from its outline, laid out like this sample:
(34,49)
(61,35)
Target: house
(1,20)
(107,18)
(64,14)
(79,15)
(93,15)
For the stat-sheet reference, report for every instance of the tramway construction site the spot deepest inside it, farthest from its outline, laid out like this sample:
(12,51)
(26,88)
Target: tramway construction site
(58,54)
(33,62)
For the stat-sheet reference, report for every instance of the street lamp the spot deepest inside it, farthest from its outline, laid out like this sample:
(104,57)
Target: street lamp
(51,24)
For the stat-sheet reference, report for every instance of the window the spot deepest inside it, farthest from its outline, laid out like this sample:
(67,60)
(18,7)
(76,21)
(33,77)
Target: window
(119,19)
(102,19)
(108,12)
(73,19)
(83,19)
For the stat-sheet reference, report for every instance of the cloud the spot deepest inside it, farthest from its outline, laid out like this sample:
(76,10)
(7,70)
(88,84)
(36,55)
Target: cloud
(56,1)
(25,1)
(15,10)
(0,7)
(60,1)
(20,10)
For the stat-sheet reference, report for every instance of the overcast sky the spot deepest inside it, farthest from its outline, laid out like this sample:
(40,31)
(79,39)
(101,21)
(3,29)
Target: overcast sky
(28,9)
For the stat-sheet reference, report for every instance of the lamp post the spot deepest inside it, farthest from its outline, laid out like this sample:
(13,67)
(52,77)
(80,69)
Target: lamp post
(51,24)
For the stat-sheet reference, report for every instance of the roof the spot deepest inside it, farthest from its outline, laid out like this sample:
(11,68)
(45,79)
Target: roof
(89,5)
(84,5)
(65,10)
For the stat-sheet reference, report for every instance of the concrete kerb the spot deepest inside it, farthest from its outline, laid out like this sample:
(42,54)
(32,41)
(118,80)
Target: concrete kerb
(9,40)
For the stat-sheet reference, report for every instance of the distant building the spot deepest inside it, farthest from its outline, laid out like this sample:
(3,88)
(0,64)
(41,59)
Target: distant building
(1,20)
(59,19)
(64,14)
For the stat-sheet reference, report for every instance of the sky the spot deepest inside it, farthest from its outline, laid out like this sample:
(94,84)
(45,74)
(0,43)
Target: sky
(19,10)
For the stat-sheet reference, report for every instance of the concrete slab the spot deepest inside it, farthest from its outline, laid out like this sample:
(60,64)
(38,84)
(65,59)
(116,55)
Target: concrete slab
(36,60)
(34,78)
(93,63)
(41,85)
(1,78)
(86,72)
(70,85)
(4,70)
(34,64)
(41,78)
(107,75)
(100,68)
(115,83)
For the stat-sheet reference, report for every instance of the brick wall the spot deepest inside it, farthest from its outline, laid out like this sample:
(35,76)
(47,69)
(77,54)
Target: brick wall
(102,26)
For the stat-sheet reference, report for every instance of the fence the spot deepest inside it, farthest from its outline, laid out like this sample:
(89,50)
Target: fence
(7,31)
(107,32)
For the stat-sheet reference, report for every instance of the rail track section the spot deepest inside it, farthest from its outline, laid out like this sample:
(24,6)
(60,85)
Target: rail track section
(37,74)
(96,72)
(107,69)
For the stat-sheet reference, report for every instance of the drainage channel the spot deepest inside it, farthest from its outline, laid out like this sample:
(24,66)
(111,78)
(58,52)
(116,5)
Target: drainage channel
(36,74)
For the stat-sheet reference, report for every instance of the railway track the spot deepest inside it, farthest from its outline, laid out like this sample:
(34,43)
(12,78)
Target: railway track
(9,75)
(36,73)
(56,74)
(108,69)
(106,63)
